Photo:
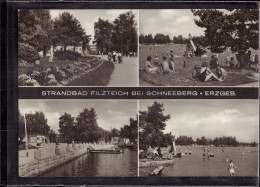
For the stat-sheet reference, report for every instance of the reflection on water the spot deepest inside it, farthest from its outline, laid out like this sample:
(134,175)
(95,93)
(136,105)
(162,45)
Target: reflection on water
(196,165)
(98,165)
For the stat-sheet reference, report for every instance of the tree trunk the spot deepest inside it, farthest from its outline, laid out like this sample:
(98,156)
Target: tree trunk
(241,60)
(44,52)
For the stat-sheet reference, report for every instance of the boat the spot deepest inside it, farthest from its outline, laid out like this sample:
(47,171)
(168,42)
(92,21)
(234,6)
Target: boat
(157,171)
(178,155)
(107,151)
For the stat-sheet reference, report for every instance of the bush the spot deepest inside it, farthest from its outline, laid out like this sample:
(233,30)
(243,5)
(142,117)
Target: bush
(26,80)
(67,55)
(58,73)
(27,52)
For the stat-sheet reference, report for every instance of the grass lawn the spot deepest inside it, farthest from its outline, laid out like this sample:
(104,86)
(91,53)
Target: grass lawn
(183,77)
(98,77)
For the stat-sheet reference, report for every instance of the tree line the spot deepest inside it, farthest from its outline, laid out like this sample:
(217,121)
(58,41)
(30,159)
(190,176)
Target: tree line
(36,123)
(119,35)
(38,32)
(83,128)
(218,141)
(165,39)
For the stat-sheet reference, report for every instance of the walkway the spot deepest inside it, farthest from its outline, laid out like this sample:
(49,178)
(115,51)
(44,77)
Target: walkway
(125,74)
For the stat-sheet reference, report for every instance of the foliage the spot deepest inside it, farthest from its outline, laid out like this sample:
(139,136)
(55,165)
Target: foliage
(237,29)
(130,131)
(67,55)
(26,80)
(67,128)
(103,35)
(54,75)
(34,33)
(151,124)
(228,141)
(87,128)
(161,39)
(27,52)
(37,123)
(121,35)
(184,140)
(67,31)
(157,39)
(37,32)
(52,136)
(115,132)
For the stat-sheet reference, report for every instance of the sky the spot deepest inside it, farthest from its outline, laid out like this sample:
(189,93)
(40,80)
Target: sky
(87,17)
(211,118)
(111,113)
(169,22)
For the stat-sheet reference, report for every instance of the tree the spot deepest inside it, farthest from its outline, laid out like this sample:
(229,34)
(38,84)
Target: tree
(67,129)
(103,35)
(37,123)
(125,33)
(27,27)
(115,133)
(34,33)
(130,131)
(237,29)
(152,123)
(184,140)
(87,128)
(52,136)
(43,36)
(67,31)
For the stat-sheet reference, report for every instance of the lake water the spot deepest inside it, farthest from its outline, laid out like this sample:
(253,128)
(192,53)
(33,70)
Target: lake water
(124,164)
(196,165)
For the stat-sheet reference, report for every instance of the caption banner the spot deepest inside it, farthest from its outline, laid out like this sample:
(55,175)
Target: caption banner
(137,93)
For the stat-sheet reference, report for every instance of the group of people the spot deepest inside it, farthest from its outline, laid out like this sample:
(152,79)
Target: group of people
(70,147)
(207,153)
(154,153)
(211,71)
(160,67)
(115,57)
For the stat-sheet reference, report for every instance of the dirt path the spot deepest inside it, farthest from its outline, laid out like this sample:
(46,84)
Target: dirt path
(125,74)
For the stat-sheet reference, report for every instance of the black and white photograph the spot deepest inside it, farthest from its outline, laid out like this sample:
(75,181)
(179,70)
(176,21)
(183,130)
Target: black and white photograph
(78,138)
(199,47)
(78,47)
(199,138)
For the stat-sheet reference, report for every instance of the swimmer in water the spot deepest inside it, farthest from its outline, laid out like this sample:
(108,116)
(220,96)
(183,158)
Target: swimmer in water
(231,168)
